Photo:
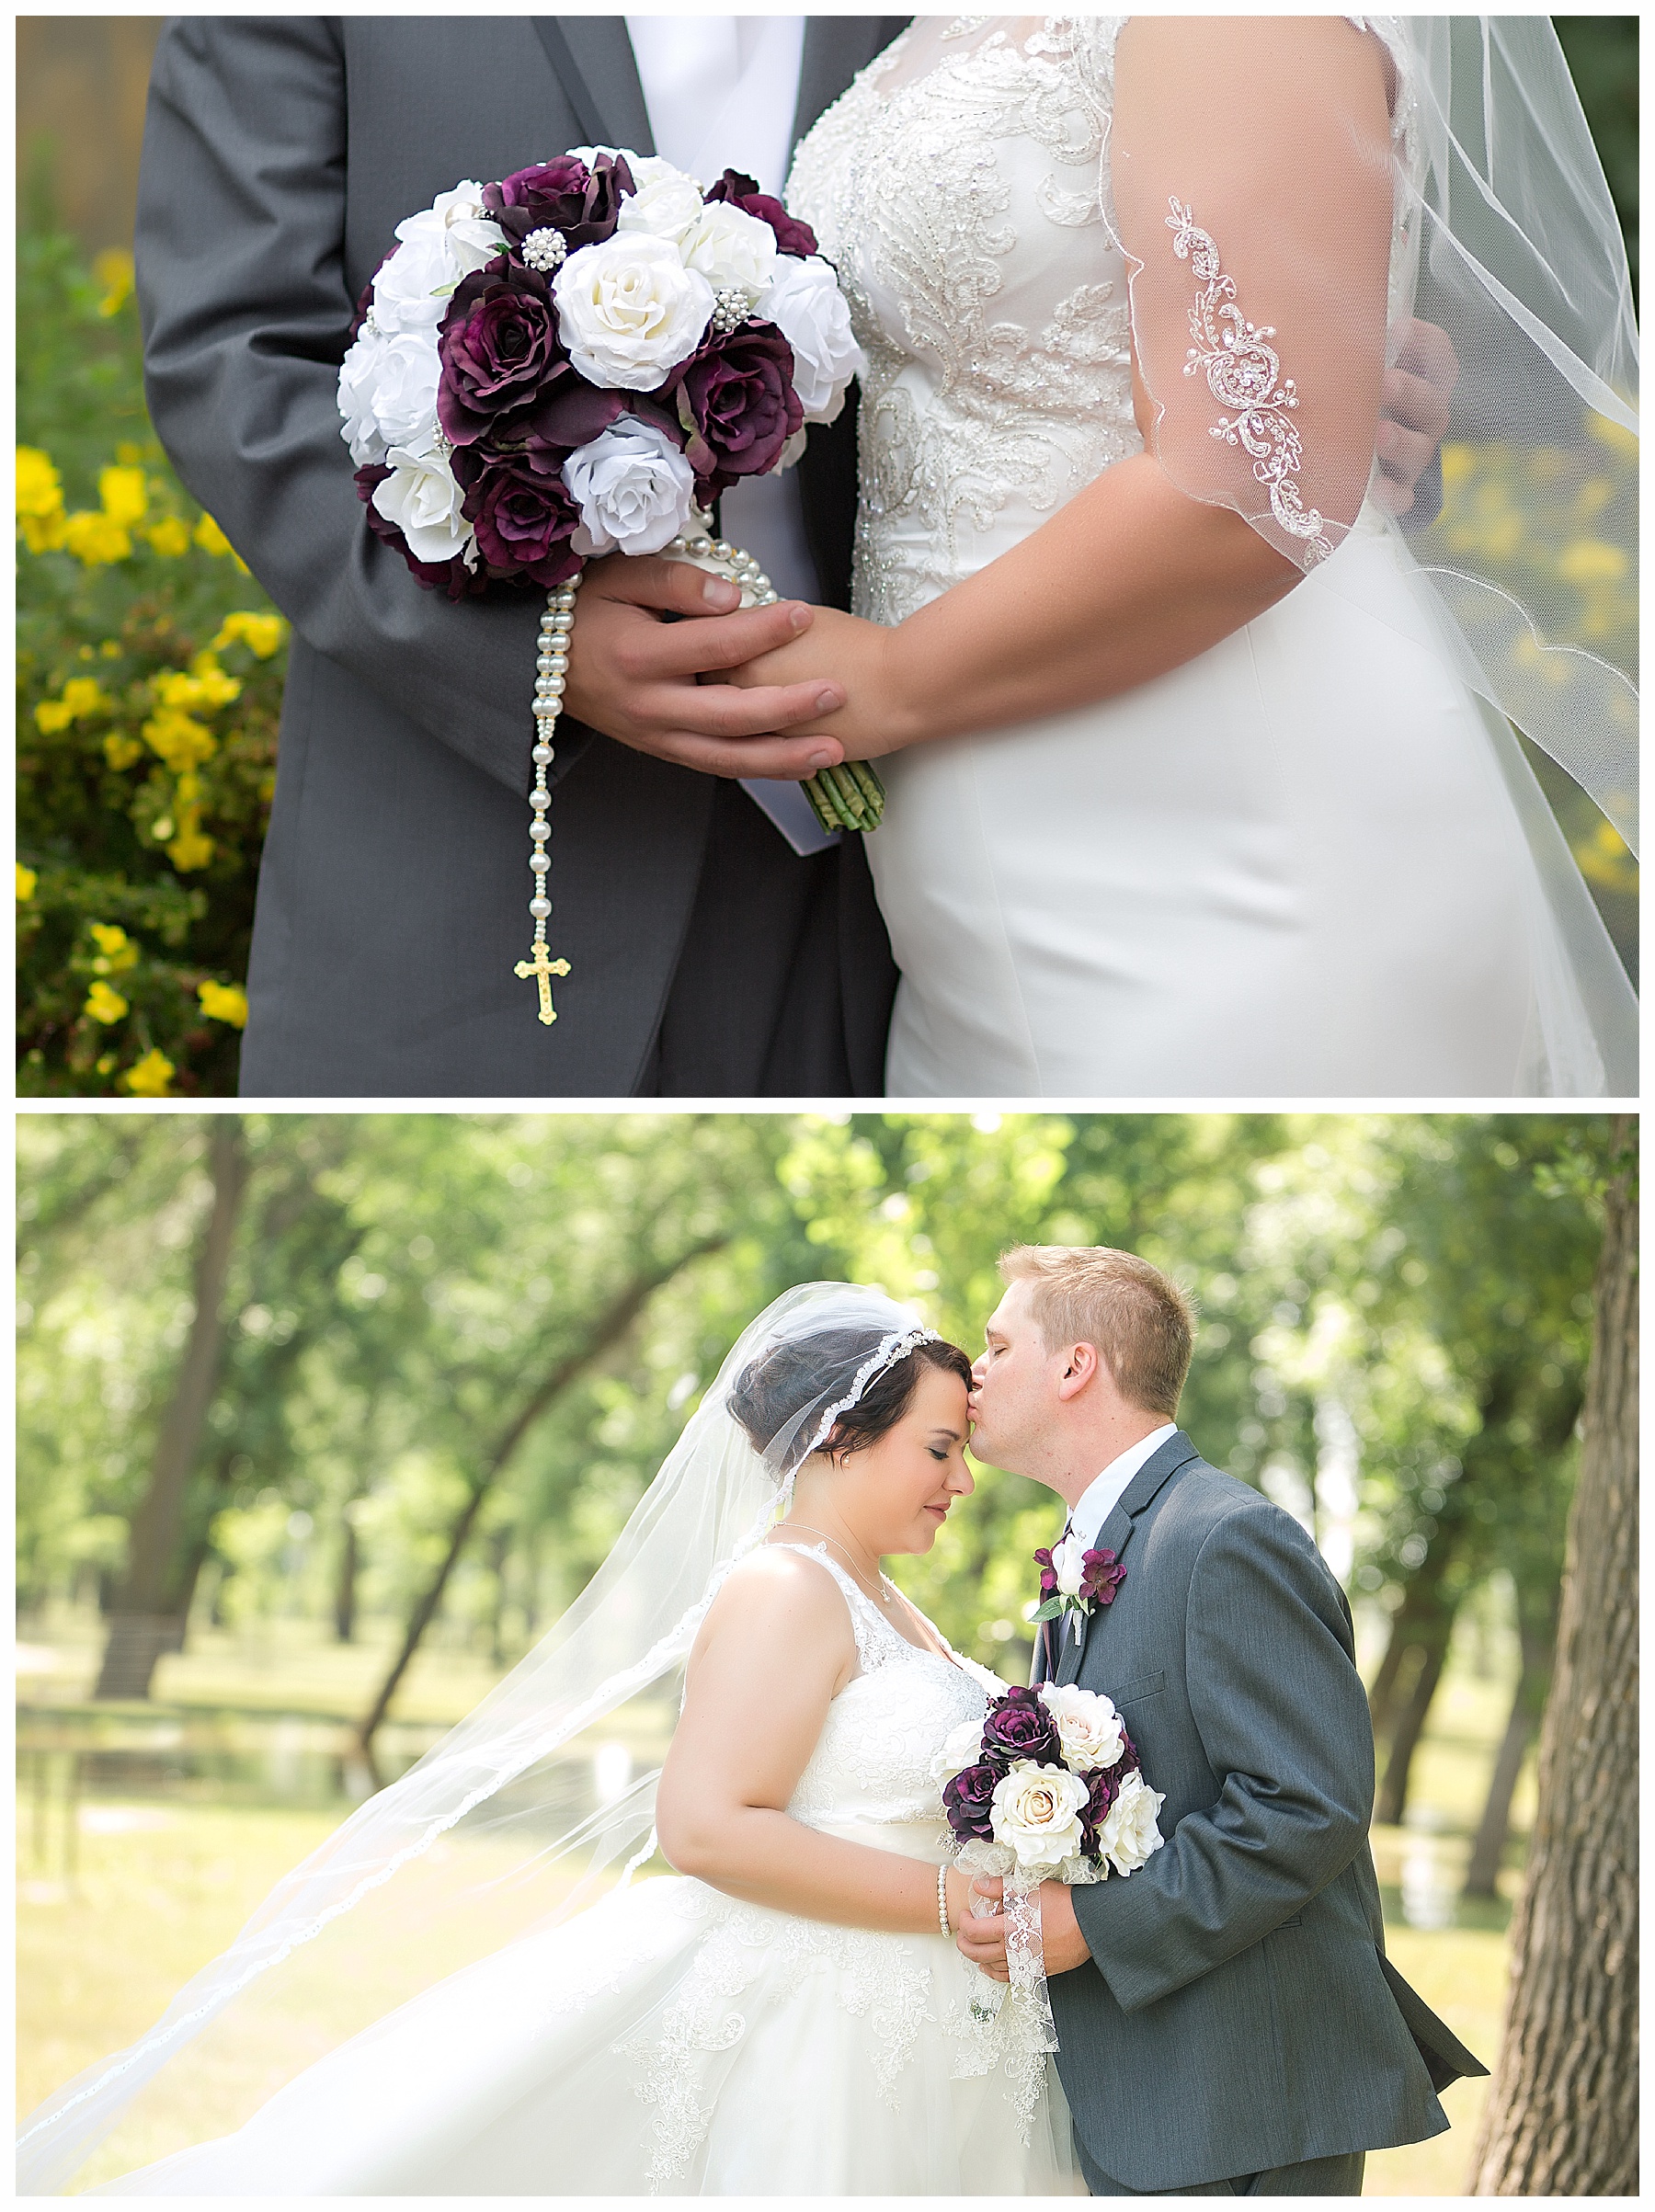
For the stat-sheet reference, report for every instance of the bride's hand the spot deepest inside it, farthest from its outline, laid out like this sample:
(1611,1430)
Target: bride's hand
(859,657)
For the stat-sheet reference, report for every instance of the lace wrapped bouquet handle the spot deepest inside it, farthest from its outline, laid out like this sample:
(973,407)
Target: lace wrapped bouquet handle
(1047,1787)
(576,360)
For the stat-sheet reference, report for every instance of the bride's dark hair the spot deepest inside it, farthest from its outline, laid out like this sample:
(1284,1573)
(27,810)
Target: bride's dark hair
(790,1377)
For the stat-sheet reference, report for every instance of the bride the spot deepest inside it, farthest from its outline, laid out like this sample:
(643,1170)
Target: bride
(789,2015)
(1198,780)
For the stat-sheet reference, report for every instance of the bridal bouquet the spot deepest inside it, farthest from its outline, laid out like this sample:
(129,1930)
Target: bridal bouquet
(576,360)
(1048,1786)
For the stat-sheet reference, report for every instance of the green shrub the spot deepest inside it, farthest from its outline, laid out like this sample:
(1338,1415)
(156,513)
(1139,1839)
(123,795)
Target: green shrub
(150,669)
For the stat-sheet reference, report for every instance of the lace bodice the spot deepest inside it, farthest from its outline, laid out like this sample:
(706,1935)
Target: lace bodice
(961,186)
(873,1760)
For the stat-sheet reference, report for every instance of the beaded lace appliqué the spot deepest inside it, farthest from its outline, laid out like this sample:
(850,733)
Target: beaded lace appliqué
(1244,372)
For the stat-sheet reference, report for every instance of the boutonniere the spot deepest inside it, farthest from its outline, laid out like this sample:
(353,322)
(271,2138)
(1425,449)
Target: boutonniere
(1074,1581)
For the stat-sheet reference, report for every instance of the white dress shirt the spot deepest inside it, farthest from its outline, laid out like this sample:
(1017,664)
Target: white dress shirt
(1100,1498)
(720,91)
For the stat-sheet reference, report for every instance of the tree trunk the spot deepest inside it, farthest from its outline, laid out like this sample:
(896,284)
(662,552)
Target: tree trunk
(606,1333)
(1561,2119)
(1409,1625)
(1528,1701)
(1392,1801)
(143,1624)
(345,1583)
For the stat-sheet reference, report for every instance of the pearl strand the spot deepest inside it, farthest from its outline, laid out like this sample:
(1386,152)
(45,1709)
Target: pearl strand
(551,668)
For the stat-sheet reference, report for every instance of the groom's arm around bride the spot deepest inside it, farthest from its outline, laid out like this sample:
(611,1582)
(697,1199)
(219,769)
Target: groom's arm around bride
(1227,2011)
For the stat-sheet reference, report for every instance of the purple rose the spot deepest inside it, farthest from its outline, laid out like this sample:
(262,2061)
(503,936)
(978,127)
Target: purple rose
(498,346)
(1048,1576)
(522,514)
(1105,1789)
(792,235)
(452,576)
(566,412)
(1020,1726)
(737,403)
(562,195)
(969,1801)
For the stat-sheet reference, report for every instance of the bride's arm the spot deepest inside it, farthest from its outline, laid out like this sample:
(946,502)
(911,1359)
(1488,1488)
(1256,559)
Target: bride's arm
(1274,133)
(772,1653)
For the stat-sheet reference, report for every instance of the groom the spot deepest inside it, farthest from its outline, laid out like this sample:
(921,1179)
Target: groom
(709,957)
(1227,2020)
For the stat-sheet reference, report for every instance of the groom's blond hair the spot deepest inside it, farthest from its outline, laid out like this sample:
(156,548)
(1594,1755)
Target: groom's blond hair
(1136,1317)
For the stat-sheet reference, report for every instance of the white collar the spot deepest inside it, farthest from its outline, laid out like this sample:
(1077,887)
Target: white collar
(1100,1498)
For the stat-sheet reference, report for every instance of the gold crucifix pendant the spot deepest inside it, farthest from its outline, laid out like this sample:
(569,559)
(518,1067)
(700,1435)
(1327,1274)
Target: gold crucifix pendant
(542,967)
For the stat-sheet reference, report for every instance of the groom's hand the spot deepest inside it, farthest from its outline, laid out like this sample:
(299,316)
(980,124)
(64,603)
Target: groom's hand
(1061,1943)
(634,675)
(1413,411)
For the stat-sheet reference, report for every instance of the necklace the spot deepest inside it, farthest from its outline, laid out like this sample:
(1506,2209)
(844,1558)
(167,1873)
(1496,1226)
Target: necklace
(879,1597)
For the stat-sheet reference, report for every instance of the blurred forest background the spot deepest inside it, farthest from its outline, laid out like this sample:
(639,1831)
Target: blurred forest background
(150,664)
(324,1419)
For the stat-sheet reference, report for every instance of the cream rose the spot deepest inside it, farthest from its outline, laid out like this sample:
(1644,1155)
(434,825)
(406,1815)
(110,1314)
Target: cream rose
(629,311)
(1036,1813)
(667,204)
(1128,1832)
(1089,1728)
(732,250)
(422,498)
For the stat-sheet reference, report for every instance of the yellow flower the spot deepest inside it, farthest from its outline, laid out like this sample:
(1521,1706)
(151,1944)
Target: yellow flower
(109,650)
(210,538)
(1458,462)
(190,850)
(94,539)
(105,1061)
(50,717)
(223,1002)
(169,537)
(261,633)
(179,740)
(104,1003)
(1604,860)
(120,749)
(1591,561)
(151,1076)
(39,500)
(118,949)
(1613,435)
(123,493)
(217,689)
(113,269)
(26,880)
(82,696)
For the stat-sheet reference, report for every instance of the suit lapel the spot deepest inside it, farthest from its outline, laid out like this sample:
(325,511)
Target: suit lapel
(591,58)
(1116,1533)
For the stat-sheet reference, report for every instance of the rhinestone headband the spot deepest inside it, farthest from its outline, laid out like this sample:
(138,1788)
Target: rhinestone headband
(891,1349)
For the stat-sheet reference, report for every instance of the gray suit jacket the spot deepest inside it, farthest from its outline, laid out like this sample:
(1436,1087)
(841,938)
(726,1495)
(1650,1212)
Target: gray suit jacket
(279,153)
(1240,2013)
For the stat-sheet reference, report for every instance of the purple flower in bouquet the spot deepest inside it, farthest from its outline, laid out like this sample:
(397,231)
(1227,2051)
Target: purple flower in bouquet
(792,235)
(1020,1726)
(498,346)
(736,404)
(969,1801)
(521,511)
(562,195)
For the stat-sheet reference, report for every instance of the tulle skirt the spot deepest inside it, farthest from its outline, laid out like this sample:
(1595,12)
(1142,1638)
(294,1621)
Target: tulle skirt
(667,2040)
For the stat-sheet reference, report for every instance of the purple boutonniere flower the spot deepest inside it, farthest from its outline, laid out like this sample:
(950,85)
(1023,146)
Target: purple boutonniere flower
(1074,1580)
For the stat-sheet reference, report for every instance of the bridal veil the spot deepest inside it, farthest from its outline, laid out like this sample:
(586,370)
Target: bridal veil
(495,1831)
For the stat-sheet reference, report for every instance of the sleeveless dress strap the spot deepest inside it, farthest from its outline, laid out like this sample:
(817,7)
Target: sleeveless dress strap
(874,1634)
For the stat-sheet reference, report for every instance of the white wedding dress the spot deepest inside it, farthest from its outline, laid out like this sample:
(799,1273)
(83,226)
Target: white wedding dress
(1295,864)
(672,2040)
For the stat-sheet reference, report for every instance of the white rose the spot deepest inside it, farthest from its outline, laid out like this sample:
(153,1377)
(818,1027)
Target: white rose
(960,1751)
(805,303)
(633,488)
(1089,1728)
(474,236)
(1068,1564)
(1127,1832)
(412,289)
(422,498)
(388,394)
(733,250)
(1036,1811)
(667,204)
(629,311)
(794,450)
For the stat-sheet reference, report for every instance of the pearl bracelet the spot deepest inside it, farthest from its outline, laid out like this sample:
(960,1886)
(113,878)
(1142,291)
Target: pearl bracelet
(943,1899)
